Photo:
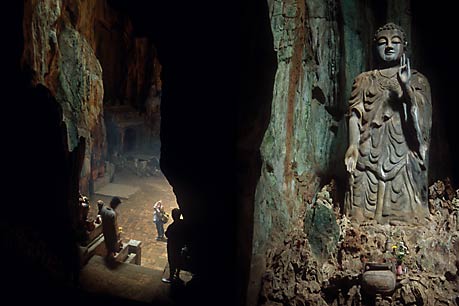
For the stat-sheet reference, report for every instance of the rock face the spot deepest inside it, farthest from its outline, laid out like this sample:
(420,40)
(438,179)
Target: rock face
(62,59)
(305,114)
(196,147)
(86,54)
(305,138)
(321,47)
(320,225)
(295,275)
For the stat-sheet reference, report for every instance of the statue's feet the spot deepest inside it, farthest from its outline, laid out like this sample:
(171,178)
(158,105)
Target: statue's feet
(357,215)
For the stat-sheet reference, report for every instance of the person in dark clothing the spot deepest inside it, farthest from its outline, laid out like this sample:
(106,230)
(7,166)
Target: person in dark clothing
(110,228)
(175,234)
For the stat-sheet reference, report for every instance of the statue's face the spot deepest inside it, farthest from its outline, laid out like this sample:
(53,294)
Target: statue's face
(389,45)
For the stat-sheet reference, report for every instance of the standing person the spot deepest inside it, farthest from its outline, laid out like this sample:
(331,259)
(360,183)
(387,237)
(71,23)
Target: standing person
(159,218)
(175,242)
(390,116)
(110,228)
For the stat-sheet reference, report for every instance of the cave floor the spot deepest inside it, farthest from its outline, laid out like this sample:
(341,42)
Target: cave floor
(130,282)
(136,214)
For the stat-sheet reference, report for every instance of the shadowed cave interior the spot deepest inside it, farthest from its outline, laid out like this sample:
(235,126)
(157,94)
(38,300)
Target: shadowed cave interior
(196,157)
(215,109)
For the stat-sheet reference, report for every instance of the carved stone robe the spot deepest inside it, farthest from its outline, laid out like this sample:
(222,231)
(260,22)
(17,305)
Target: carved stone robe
(390,180)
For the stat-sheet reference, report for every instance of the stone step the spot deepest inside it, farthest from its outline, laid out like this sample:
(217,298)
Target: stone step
(123,254)
(131,250)
(131,258)
(125,280)
(95,232)
(96,247)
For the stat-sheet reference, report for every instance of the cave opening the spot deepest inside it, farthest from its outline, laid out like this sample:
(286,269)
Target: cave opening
(193,150)
(85,163)
(123,157)
(193,154)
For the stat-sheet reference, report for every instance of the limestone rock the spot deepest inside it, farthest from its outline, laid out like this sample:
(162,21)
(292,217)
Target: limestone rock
(66,44)
(297,273)
(321,227)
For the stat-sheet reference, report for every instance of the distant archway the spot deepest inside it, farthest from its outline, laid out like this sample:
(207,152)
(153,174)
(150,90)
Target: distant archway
(130,140)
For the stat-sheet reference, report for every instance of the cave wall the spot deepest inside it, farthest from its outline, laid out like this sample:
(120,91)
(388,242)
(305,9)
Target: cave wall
(130,62)
(306,137)
(205,93)
(42,176)
(76,67)
(321,47)
(87,55)
(59,52)
(296,146)
(59,144)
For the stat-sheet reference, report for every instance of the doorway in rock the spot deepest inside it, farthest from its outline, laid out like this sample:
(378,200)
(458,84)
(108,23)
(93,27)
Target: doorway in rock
(129,140)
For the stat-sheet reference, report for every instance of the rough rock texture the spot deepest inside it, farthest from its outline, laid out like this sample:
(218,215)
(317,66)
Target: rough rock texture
(320,49)
(66,44)
(320,224)
(62,59)
(306,135)
(321,46)
(304,114)
(296,276)
(201,75)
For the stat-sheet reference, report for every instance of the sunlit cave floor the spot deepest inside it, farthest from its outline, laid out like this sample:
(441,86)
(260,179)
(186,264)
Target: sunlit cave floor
(126,281)
(137,283)
(136,214)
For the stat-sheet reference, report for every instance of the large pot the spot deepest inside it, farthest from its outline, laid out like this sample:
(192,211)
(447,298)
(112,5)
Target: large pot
(378,278)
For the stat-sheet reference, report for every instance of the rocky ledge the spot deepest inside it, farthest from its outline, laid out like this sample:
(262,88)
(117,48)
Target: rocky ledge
(312,268)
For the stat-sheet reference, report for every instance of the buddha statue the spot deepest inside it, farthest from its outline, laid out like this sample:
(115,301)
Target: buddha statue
(389,134)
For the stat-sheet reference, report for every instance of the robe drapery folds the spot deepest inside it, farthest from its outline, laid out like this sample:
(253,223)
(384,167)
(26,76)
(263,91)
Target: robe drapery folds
(390,179)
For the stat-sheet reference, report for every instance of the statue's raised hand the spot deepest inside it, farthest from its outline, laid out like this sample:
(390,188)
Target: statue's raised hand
(404,71)
(350,158)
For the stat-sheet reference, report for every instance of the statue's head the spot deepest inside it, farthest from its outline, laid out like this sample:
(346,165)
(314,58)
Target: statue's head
(390,42)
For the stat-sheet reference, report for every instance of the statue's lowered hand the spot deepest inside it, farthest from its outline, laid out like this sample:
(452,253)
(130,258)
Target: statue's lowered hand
(350,159)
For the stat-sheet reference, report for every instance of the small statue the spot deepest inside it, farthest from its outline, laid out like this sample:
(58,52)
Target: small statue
(83,208)
(100,205)
(323,197)
(387,246)
(389,136)
(85,225)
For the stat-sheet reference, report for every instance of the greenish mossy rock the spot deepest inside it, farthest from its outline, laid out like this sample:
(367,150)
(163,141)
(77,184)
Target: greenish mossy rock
(80,88)
(322,231)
